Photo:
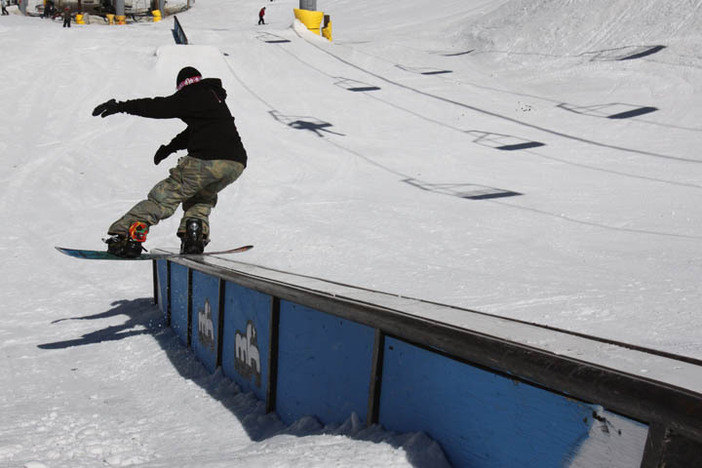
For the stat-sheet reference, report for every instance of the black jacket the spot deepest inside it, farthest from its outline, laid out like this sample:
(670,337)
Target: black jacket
(211,133)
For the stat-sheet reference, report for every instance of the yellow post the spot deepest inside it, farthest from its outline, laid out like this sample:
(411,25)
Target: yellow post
(110,18)
(157,15)
(311,19)
(327,31)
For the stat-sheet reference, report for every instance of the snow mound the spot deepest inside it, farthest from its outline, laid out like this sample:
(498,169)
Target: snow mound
(573,27)
(208,59)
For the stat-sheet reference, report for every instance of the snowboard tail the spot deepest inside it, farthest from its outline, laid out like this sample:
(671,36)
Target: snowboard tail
(103,255)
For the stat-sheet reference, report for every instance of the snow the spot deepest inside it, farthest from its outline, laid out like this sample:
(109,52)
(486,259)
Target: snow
(364,188)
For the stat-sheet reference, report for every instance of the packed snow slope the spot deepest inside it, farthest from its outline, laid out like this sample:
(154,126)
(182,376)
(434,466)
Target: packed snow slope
(374,161)
(369,187)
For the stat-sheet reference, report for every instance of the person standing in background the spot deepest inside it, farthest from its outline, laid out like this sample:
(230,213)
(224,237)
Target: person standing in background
(66,17)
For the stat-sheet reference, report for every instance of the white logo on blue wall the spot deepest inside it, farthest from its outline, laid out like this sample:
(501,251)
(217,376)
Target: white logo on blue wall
(248,357)
(205,327)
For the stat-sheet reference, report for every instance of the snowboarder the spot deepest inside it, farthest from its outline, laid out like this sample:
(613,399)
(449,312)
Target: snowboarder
(261,14)
(4,8)
(216,158)
(67,17)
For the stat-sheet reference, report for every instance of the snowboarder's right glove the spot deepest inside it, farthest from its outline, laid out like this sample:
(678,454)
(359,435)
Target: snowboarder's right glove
(107,108)
(162,153)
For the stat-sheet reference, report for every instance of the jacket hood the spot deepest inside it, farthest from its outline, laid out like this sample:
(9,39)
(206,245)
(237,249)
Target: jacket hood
(214,84)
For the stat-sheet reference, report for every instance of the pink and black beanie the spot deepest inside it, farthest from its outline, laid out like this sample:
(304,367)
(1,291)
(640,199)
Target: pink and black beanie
(187,76)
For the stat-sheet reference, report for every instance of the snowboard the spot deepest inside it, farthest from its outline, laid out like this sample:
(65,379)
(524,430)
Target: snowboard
(103,255)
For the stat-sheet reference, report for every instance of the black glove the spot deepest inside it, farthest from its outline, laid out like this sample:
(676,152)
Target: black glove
(162,153)
(107,108)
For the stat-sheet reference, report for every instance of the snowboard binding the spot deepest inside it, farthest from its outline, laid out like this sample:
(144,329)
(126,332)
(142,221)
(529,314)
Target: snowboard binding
(129,246)
(193,240)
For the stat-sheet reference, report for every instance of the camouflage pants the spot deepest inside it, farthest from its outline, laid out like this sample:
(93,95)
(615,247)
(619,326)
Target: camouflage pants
(194,183)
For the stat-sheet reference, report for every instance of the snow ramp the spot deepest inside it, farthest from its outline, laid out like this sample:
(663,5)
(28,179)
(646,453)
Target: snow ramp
(493,392)
(208,59)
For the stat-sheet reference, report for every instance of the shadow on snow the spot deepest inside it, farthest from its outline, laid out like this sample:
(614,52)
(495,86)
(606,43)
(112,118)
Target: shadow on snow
(144,318)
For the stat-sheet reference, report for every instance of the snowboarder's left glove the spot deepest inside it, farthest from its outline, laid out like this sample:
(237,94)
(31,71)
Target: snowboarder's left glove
(162,153)
(107,108)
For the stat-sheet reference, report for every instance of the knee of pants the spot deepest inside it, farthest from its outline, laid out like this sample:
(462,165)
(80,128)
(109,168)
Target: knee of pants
(166,202)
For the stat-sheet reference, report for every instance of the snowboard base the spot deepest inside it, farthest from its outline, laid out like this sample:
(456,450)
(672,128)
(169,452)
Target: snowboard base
(104,255)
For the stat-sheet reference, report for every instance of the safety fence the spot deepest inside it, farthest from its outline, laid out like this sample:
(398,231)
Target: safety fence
(493,392)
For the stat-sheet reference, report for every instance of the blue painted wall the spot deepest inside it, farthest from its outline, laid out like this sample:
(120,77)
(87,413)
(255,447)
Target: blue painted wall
(245,350)
(179,301)
(324,365)
(205,319)
(481,418)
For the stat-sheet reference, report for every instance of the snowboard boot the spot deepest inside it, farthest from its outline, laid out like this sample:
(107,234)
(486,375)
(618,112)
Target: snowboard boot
(193,240)
(129,246)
